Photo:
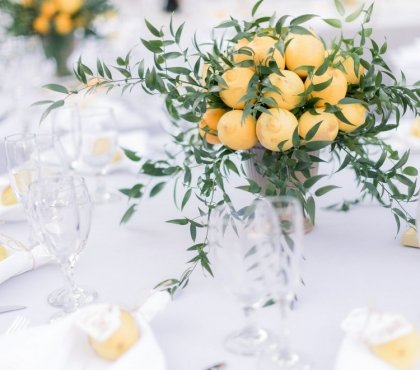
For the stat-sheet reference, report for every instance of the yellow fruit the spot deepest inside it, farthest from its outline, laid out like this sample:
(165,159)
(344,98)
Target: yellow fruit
(303,50)
(235,133)
(402,353)
(101,146)
(237,80)
(63,24)
(8,197)
(409,238)
(290,86)
(210,120)
(120,341)
(204,70)
(275,128)
(334,92)
(22,178)
(355,114)
(41,25)
(264,49)
(348,65)
(27,3)
(328,129)
(118,156)
(415,128)
(237,58)
(48,8)
(69,6)
(3,253)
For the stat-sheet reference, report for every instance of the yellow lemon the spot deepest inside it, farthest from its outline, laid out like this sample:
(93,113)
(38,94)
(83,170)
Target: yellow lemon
(276,128)
(334,92)
(290,87)
(402,353)
(23,178)
(120,341)
(415,128)
(355,114)
(3,253)
(236,133)
(63,23)
(69,6)
(101,146)
(348,65)
(210,121)
(8,197)
(237,57)
(41,25)
(264,49)
(328,129)
(118,156)
(48,8)
(237,80)
(27,3)
(303,50)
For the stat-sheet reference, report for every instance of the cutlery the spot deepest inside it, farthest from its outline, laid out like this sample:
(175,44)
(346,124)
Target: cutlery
(18,324)
(4,309)
(219,366)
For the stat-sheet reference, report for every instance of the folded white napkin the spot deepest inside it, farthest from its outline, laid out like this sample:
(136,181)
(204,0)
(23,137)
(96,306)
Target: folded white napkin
(21,260)
(64,345)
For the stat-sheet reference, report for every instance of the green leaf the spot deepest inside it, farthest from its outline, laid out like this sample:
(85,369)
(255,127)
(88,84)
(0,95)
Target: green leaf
(333,22)
(186,198)
(178,221)
(312,181)
(41,102)
(325,190)
(131,155)
(128,214)
(410,171)
(312,132)
(353,16)
(157,189)
(340,7)
(302,19)
(178,33)
(193,232)
(153,30)
(55,105)
(57,88)
(310,208)
(316,145)
(256,6)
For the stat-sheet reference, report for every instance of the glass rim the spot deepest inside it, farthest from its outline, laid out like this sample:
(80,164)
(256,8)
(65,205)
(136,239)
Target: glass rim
(13,138)
(76,179)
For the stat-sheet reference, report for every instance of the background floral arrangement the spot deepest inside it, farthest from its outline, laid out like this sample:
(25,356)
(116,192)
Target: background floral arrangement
(54,21)
(262,99)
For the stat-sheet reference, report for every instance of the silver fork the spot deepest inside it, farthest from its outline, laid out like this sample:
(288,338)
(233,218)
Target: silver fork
(18,324)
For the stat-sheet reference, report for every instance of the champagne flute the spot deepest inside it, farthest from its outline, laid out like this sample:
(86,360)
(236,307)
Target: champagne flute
(280,264)
(99,144)
(62,212)
(67,129)
(234,238)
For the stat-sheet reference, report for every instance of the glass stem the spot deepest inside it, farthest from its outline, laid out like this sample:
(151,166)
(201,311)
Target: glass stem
(100,183)
(284,340)
(68,272)
(250,323)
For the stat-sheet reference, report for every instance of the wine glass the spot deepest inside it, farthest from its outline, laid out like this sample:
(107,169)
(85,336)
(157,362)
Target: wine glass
(61,210)
(233,239)
(279,262)
(67,130)
(99,144)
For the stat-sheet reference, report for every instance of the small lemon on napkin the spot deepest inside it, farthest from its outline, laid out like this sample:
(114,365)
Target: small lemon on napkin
(402,353)
(8,197)
(3,253)
(415,128)
(120,341)
(102,146)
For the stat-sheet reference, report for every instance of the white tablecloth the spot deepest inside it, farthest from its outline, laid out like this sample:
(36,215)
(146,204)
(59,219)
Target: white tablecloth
(353,259)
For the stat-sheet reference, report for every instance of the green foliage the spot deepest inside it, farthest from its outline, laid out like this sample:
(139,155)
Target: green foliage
(191,79)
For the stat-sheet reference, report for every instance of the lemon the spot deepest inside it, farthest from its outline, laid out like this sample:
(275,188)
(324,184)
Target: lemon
(332,93)
(276,127)
(41,25)
(3,253)
(69,6)
(402,353)
(210,121)
(348,65)
(22,178)
(415,128)
(102,146)
(355,114)
(8,197)
(303,50)
(118,156)
(327,130)
(63,24)
(237,80)
(290,87)
(120,341)
(48,8)
(236,133)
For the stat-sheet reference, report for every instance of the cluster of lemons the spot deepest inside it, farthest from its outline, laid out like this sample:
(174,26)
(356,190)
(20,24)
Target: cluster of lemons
(274,129)
(56,15)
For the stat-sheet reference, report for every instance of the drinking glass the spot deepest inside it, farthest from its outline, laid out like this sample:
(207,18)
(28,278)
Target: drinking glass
(99,143)
(233,239)
(66,128)
(61,210)
(279,261)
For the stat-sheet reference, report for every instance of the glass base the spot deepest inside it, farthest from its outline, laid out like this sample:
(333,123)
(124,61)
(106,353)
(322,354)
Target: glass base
(274,359)
(249,341)
(60,298)
(106,197)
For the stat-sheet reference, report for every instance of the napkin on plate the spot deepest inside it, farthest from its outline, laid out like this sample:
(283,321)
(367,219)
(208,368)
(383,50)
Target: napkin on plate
(63,345)
(20,260)
(364,328)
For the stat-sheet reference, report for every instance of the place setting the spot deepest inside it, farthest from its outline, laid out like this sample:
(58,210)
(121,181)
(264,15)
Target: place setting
(209,185)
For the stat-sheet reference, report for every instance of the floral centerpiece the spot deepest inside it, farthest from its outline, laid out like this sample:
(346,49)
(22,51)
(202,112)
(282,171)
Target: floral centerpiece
(55,22)
(259,102)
